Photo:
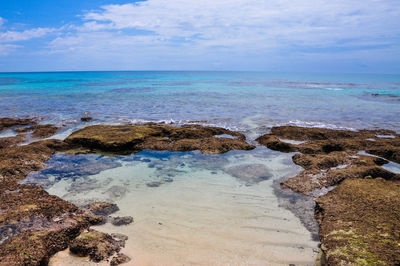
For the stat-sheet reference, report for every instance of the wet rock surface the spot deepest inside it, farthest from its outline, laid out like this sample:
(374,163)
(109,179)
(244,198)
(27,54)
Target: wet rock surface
(330,156)
(11,141)
(39,131)
(23,127)
(119,259)
(33,224)
(360,223)
(97,245)
(158,137)
(6,122)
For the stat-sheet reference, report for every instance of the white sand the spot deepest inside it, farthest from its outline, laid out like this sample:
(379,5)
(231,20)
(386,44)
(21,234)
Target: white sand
(200,218)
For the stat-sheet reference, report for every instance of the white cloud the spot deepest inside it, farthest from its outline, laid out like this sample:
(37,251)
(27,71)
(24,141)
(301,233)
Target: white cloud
(14,36)
(8,37)
(235,22)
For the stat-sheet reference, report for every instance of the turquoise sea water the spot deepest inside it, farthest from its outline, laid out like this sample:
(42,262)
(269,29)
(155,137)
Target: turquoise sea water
(240,100)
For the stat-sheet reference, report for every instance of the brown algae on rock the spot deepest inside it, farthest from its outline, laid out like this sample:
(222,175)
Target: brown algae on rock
(97,245)
(157,137)
(360,222)
(326,150)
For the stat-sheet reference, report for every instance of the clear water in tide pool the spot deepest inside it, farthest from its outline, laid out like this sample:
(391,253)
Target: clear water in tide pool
(203,210)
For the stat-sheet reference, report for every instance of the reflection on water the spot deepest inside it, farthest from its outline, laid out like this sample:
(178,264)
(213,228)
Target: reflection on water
(206,210)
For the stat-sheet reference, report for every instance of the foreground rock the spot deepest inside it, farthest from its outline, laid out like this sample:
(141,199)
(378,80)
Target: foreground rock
(131,138)
(359,220)
(97,245)
(119,259)
(330,156)
(33,224)
(360,223)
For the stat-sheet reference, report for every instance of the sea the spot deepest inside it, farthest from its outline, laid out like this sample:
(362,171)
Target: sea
(206,209)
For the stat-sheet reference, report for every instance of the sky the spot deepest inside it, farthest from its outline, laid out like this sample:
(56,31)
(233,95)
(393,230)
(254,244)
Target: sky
(351,36)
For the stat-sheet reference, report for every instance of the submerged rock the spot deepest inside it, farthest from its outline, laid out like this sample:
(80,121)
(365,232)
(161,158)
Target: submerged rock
(102,208)
(116,191)
(121,220)
(250,173)
(119,259)
(154,184)
(125,139)
(360,223)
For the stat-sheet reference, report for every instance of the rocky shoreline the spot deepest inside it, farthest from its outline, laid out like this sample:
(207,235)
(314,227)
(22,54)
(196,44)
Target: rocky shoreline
(357,200)
(35,225)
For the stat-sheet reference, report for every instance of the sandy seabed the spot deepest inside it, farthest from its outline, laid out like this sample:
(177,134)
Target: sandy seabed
(204,217)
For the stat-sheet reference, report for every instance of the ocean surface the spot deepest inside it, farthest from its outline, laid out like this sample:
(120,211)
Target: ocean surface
(241,100)
(207,209)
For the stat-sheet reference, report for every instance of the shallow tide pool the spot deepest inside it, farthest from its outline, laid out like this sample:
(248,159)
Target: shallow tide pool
(206,209)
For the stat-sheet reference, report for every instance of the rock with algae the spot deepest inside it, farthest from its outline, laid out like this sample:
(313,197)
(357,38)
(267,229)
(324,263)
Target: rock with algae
(132,138)
(330,156)
(97,245)
(360,223)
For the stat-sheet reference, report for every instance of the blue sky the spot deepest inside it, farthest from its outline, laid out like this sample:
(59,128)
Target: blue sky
(267,35)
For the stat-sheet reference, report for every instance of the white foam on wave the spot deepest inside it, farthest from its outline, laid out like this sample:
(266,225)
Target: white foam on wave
(333,89)
(316,124)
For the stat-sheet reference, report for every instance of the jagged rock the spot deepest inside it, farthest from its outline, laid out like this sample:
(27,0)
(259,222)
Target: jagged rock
(119,259)
(330,156)
(39,131)
(97,245)
(6,122)
(125,139)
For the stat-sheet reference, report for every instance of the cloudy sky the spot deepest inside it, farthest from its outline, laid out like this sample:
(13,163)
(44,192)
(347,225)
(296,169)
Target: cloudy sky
(267,35)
